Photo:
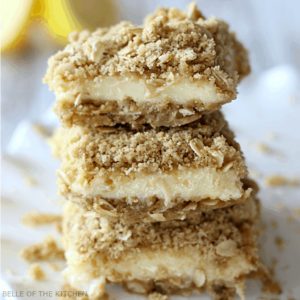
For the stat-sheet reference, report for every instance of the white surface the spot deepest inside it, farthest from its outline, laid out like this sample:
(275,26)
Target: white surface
(261,107)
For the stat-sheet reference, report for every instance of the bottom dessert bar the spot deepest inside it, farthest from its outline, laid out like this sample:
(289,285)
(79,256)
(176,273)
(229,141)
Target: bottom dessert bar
(213,251)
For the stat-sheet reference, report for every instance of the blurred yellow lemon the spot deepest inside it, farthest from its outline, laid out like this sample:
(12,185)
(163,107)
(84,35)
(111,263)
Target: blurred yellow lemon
(60,17)
(64,16)
(15,15)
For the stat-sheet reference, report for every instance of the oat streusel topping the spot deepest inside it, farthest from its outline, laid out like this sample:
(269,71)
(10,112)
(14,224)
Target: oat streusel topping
(171,44)
(219,233)
(206,142)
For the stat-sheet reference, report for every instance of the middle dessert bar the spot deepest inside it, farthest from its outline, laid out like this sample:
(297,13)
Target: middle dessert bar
(151,174)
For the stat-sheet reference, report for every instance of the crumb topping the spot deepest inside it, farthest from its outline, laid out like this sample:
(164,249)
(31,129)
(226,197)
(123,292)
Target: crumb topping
(218,233)
(208,142)
(169,45)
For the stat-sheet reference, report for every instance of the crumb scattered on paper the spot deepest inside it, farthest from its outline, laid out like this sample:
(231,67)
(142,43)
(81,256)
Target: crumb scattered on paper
(36,218)
(10,271)
(280,180)
(36,272)
(42,130)
(54,267)
(254,173)
(289,219)
(280,206)
(274,224)
(30,181)
(280,243)
(45,250)
(262,148)
(297,230)
(297,211)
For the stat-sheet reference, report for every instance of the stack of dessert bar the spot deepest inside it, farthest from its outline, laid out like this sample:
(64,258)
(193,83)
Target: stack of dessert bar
(158,195)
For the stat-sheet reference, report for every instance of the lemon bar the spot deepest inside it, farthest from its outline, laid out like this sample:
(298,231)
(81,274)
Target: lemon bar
(212,251)
(151,174)
(168,72)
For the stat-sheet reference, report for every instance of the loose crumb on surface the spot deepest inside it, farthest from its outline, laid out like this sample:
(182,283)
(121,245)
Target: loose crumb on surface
(280,180)
(274,224)
(297,230)
(35,272)
(290,219)
(54,267)
(280,206)
(10,271)
(254,173)
(157,296)
(262,148)
(45,250)
(30,181)
(41,130)
(271,287)
(297,211)
(36,218)
(280,243)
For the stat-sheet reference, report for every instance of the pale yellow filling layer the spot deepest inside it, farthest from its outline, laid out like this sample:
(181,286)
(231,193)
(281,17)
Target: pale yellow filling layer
(192,184)
(121,88)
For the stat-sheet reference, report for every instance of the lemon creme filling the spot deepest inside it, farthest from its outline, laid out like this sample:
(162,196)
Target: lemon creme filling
(192,184)
(121,88)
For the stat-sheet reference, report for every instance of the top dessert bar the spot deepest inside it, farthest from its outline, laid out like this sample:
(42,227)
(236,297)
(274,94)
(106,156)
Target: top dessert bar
(168,72)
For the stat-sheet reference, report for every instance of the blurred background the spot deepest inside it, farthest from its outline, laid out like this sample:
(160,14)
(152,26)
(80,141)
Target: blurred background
(32,30)
(265,117)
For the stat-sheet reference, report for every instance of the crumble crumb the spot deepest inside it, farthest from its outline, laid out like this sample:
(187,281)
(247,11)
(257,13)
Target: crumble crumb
(54,267)
(30,181)
(290,219)
(280,206)
(274,261)
(280,243)
(41,130)
(271,287)
(297,211)
(297,230)
(35,272)
(10,271)
(274,224)
(262,148)
(44,250)
(36,218)
(157,296)
(254,174)
(280,180)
